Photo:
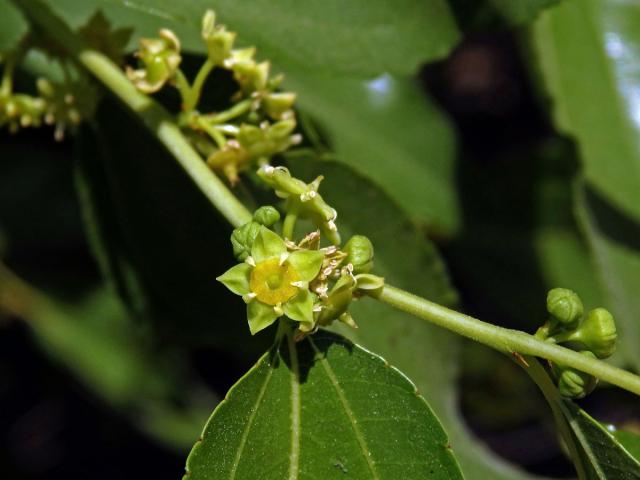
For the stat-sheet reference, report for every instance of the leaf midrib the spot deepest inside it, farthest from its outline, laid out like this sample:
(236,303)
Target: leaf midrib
(252,415)
(362,443)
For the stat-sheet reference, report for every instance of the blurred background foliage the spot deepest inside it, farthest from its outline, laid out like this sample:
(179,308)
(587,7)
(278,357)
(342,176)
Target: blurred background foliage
(489,148)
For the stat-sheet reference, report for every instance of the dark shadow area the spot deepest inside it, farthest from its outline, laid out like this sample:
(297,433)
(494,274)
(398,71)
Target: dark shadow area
(51,427)
(306,353)
(514,177)
(612,222)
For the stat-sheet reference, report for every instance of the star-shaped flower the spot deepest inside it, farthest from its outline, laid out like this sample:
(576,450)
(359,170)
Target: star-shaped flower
(275,282)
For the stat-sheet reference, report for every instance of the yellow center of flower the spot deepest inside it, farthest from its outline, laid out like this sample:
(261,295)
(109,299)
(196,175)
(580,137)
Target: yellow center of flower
(271,282)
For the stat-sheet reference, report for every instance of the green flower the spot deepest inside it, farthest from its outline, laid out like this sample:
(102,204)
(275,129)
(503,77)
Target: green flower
(158,62)
(275,282)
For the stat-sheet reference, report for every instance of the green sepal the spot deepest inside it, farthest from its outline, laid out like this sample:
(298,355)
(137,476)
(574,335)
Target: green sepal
(300,307)
(236,278)
(267,244)
(306,263)
(260,316)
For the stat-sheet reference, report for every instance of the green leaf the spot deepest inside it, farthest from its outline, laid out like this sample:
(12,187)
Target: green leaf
(427,354)
(491,14)
(602,456)
(322,408)
(521,238)
(364,37)
(589,54)
(630,441)
(613,238)
(389,131)
(13,26)
(595,452)
(593,76)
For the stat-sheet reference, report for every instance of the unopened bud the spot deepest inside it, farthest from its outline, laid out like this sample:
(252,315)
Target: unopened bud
(573,383)
(597,333)
(266,216)
(565,306)
(359,250)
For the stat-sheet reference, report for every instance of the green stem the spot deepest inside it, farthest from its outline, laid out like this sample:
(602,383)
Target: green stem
(182,84)
(235,111)
(196,89)
(512,342)
(212,131)
(289,224)
(153,115)
(539,375)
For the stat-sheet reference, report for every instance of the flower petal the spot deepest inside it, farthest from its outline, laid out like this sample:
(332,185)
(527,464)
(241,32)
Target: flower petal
(236,278)
(306,263)
(267,245)
(260,316)
(300,307)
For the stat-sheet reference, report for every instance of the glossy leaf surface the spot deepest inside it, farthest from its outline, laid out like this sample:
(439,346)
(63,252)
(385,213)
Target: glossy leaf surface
(362,37)
(630,441)
(322,408)
(427,354)
(389,131)
(589,53)
(602,456)
(12,26)
(593,77)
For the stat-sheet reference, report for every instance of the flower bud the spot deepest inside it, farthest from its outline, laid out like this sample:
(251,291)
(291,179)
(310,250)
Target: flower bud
(266,215)
(251,76)
(219,40)
(159,60)
(565,306)
(573,383)
(337,301)
(277,104)
(359,252)
(597,333)
(242,239)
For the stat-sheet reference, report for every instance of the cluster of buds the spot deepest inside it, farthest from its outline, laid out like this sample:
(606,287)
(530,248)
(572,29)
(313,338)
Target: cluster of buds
(54,105)
(302,200)
(63,109)
(593,335)
(310,285)
(18,110)
(260,122)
